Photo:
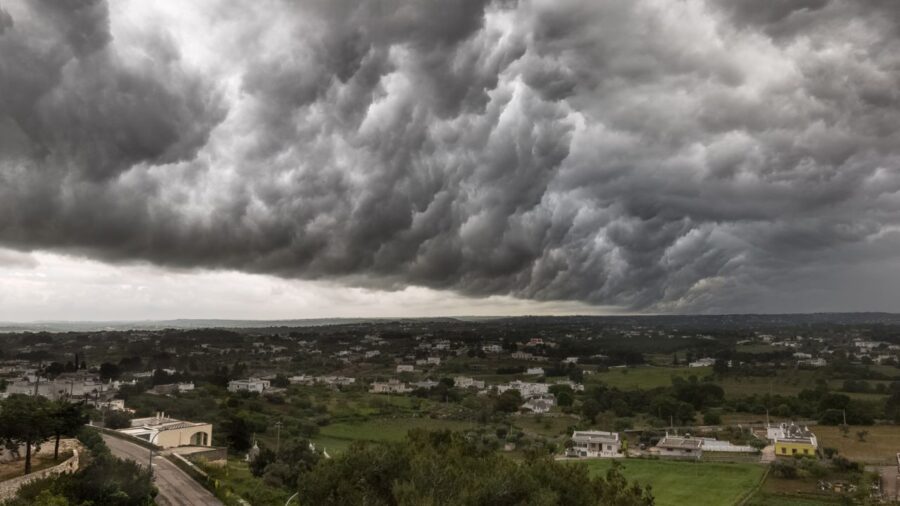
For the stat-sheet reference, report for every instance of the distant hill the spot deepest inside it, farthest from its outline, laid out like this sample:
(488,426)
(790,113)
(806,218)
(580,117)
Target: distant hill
(87,326)
(675,321)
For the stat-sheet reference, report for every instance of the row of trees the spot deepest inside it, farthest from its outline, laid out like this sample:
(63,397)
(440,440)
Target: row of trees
(447,468)
(29,421)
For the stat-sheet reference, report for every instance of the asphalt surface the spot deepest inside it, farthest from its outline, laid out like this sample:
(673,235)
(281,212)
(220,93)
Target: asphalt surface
(176,488)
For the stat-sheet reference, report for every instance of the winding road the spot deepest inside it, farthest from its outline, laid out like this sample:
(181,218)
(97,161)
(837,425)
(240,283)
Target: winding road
(176,488)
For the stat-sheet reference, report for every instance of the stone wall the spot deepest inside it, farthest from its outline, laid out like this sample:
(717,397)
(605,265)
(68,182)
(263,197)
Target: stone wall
(9,488)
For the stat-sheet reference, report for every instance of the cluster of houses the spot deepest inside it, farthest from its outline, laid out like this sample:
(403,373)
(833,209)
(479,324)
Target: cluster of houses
(74,386)
(788,440)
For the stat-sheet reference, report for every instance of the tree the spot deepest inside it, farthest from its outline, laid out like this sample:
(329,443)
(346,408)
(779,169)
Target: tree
(280,381)
(237,433)
(25,420)
(509,401)
(67,418)
(564,399)
(712,417)
(845,429)
(590,409)
(446,468)
(116,419)
(109,371)
(861,435)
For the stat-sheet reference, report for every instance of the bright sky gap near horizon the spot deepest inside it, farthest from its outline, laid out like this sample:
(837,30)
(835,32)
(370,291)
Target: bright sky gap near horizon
(337,158)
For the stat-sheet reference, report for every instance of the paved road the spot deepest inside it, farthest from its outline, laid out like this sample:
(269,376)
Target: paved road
(176,488)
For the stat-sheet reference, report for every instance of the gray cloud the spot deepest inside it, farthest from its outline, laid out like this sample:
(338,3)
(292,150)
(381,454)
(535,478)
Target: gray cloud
(672,156)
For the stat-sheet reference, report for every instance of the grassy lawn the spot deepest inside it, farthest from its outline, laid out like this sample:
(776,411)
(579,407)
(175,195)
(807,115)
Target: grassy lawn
(698,484)
(645,377)
(881,444)
(338,436)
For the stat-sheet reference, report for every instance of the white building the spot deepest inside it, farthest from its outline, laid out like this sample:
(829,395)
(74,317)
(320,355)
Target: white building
(527,390)
(703,362)
(678,447)
(406,368)
(392,386)
(492,348)
(595,444)
(169,432)
(541,404)
(466,382)
(249,385)
(535,371)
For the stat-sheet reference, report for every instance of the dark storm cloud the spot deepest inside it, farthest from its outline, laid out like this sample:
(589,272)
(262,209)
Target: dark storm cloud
(652,154)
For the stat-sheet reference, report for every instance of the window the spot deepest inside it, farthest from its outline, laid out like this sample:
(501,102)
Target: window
(806,451)
(783,450)
(793,451)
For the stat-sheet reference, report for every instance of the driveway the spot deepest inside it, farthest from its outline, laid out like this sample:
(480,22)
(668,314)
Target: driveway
(176,488)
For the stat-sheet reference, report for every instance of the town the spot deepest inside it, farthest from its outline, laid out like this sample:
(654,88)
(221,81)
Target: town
(761,409)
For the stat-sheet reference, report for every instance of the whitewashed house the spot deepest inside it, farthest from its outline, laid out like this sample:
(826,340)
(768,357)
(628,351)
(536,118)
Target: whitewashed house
(595,444)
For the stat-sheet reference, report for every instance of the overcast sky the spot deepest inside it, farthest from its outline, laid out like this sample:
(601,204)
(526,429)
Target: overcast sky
(312,158)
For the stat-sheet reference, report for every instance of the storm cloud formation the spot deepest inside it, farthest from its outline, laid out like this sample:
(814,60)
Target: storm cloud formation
(667,155)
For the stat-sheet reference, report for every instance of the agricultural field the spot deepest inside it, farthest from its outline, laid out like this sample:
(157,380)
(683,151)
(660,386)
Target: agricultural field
(338,436)
(785,382)
(695,483)
(882,443)
(794,492)
(645,377)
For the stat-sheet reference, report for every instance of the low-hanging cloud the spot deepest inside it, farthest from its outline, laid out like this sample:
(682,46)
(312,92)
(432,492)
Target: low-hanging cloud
(653,154)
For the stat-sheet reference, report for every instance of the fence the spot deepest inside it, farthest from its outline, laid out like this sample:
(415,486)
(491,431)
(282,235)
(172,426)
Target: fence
(9,488)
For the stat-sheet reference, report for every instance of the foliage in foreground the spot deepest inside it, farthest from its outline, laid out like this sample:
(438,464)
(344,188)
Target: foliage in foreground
(105,481)
(443,468)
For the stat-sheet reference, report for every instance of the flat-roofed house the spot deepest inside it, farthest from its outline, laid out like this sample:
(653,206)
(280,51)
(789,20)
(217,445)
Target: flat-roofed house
(678,447)
(794,440)
(169,432)
(587,443)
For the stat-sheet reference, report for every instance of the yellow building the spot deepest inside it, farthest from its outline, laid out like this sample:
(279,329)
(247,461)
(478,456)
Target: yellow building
(793,440)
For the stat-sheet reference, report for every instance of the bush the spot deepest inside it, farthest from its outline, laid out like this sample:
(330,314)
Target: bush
(712,417)
(117,420)
(92,440)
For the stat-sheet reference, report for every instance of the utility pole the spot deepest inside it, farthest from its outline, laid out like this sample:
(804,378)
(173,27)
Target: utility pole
(844,411)
(278,426)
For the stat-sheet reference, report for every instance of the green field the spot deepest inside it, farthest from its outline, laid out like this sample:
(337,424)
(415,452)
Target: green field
(880,446)
(338,436)
(645,377)
(696,483)
(785,382)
